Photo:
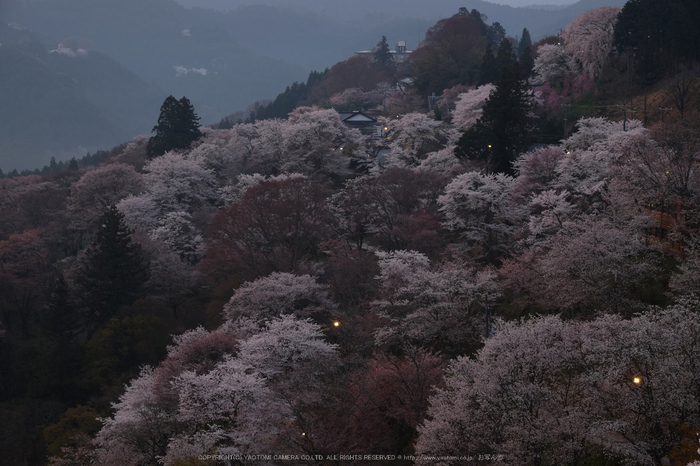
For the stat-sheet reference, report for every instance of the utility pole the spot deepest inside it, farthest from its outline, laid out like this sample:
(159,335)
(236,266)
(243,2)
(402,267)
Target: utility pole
(624,122)
(566,120)
(663,111)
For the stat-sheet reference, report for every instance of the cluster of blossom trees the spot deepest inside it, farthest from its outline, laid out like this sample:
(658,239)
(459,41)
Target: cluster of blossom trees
(254,293)
(569,232)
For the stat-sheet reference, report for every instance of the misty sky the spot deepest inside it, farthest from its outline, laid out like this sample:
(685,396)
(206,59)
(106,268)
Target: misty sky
(532,2)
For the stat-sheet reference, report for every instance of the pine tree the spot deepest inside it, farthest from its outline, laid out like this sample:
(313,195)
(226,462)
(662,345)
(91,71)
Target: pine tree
(527,60)
(177,128)
(495,34)
(525,42)
(502,132)
(489,68)
(382,56)
(113,270)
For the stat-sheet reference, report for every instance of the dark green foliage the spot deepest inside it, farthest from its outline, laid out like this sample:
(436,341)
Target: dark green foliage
(525,42)
(75,422)
(177,128)
(450,55)
(291,98)
(112,272)
(505,57)
(658,33)
(60,323)
(382,55)
(489,68)
(502,132)
(61,328)
(525,53)
(527,61)
(495,34)
(115,353)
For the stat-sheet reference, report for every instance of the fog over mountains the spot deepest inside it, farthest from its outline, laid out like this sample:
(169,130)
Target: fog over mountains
(82,75)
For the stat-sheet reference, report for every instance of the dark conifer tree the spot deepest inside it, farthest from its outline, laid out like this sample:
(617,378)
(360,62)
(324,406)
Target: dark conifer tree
(382,56)
(502,132)
(525,53)
(177,128)
(489,68)
(61,328)
(525,42)
(113,270)
(495,34)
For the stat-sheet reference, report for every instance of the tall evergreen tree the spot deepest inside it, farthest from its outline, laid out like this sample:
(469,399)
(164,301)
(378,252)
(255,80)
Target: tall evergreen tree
(177,128)
(382,56)
(525,42)
(113,270)
(502,132)
(525,53)
(61,329)
(495,35)
(488,72)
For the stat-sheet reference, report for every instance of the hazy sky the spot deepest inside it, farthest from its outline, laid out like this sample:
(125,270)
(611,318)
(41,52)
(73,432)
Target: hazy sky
(532,2)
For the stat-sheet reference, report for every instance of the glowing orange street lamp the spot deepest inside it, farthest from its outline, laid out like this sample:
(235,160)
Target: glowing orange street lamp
(336,324)
(637,380)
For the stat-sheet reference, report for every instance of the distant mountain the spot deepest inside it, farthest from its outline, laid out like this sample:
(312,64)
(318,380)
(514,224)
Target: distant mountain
(318,33)
(54,103)
(66,102)
(353,14)
(184,52)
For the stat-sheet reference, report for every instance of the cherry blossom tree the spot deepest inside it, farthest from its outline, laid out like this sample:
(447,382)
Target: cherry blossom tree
(169,278)
(180,235)
(297,363)
(269,138)
(445,308)
(552,64)
(238,390)
(470,105)
(589,38)
(443,162)
(99,189)
(517,401)
(280,294)
(595,267)
(219,154)
(551,392)
(140,212)
(479,207)
(536,170)
(413,136)
(178,183)
(355,97)
(315,138)
(140,429)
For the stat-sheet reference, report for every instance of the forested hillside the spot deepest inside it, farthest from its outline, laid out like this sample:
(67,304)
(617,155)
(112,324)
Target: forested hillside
(510,277)
(55,101)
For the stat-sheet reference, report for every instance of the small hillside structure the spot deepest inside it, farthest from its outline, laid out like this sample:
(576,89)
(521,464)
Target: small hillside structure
(359,120)
(400,54)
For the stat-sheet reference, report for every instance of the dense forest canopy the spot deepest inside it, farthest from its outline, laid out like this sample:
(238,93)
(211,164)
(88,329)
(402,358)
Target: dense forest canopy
(508,270)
